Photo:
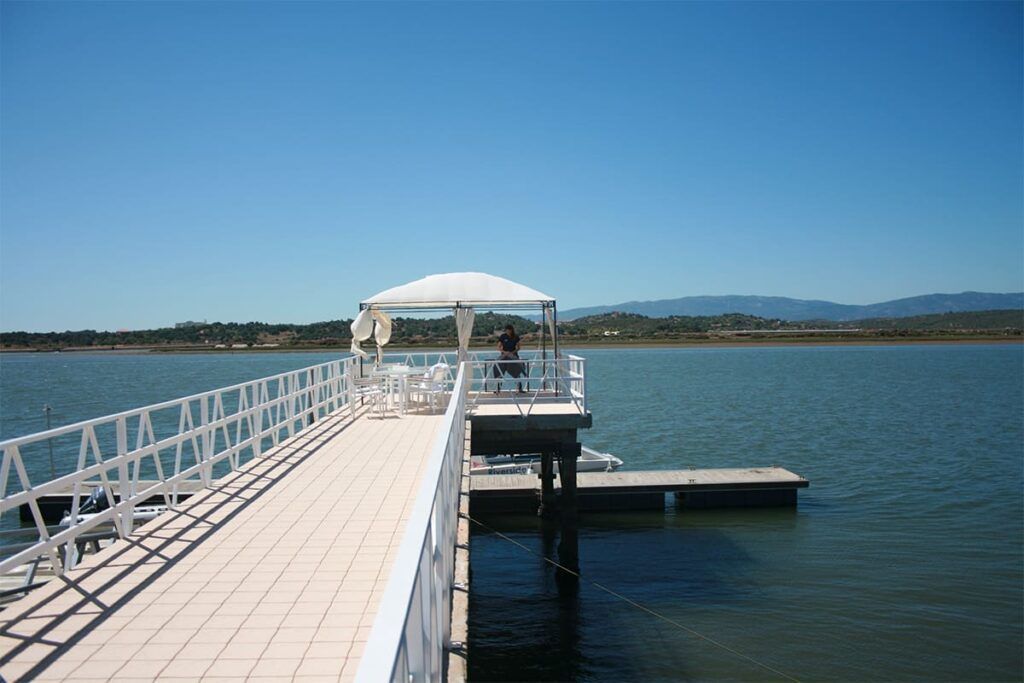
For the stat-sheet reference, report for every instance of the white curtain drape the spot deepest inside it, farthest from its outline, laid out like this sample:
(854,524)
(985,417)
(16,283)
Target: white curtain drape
(550,315)
(362,328)
(464,324)
(381,332)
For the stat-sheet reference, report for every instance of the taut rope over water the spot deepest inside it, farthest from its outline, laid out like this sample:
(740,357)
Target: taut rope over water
(634,603)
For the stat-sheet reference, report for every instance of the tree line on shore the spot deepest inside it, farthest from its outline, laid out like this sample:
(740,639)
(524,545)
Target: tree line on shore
(426,331)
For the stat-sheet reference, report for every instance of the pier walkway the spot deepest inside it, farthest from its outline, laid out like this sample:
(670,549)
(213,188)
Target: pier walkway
(318,542)
(275,572)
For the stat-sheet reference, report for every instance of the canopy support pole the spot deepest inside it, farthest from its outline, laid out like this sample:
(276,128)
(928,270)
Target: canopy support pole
(554,324)
(543,348)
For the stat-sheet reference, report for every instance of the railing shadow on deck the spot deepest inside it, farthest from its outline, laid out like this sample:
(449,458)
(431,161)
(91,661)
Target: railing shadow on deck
(220,427)
(168,552)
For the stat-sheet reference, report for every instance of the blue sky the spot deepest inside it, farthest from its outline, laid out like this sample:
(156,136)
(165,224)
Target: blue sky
(280,161)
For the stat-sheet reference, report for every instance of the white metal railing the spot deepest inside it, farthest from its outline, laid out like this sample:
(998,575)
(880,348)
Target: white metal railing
(224,425)
(413,625)
(543,379)
(526,383)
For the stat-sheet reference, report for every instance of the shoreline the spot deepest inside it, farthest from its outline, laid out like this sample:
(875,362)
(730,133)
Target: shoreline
(599,345)
(809,342)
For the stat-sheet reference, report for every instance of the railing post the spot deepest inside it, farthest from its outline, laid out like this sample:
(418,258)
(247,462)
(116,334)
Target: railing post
(257,420)
(124,491)
(312,392)
(583,382)
(291,386)
(207,438)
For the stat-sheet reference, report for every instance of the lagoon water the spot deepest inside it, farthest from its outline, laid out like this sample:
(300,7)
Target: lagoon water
(903,561)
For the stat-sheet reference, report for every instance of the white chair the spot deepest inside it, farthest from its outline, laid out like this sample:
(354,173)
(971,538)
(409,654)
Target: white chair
(371,388)
(431,386)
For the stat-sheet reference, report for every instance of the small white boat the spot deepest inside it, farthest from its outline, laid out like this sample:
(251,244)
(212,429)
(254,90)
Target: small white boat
(98,502)
(589,461)
(142,513)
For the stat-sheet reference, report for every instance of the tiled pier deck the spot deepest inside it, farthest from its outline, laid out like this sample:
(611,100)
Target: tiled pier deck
(273,574)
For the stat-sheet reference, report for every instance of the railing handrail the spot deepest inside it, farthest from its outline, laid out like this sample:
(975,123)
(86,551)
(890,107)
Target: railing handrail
(163,405)
(565,375)
(565,372)
(389,638)
(279,405)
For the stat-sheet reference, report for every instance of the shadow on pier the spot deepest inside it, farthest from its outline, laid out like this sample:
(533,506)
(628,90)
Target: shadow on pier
(39,632)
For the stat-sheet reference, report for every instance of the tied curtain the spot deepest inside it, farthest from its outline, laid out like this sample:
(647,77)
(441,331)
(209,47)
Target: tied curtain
(362,328)
(464,325)
(381,332)
(370,323)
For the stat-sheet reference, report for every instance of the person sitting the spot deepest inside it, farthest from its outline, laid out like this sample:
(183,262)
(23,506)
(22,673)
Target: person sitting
(508,349)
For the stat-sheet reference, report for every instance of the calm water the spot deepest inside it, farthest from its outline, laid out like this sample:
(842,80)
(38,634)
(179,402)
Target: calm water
(903,561)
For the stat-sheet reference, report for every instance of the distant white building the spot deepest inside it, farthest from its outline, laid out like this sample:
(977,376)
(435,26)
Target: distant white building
(611,333)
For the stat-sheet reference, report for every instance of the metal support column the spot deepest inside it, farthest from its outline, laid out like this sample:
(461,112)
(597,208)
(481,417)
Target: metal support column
(567,456)
(547,483)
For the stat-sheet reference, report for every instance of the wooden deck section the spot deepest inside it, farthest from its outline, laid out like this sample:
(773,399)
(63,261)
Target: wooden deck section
(273,574)
(740,487)
(507,408)
(508,416)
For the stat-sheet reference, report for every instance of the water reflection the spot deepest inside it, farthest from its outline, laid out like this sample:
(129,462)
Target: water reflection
(532,620)
(564,638)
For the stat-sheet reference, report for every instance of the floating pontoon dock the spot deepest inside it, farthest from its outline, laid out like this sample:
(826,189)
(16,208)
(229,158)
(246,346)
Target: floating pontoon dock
(643,490)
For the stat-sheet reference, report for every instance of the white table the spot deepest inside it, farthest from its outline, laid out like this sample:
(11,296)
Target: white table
(397,375)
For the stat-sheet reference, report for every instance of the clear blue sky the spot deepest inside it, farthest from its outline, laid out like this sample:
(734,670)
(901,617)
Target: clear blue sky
(280,161)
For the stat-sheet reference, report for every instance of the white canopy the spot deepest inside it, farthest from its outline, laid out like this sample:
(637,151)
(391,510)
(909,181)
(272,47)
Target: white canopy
(458,290)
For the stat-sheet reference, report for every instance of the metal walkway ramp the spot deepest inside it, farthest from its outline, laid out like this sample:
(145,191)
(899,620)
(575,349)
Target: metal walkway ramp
(274,572)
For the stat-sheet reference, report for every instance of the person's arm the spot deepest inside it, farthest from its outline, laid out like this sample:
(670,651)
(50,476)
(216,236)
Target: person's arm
(519,340)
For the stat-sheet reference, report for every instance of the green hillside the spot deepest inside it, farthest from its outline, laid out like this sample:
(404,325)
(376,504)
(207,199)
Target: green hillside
(975,320)
(618,327)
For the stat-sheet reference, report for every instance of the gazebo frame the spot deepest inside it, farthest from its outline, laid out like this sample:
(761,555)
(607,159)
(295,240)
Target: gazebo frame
(545,306)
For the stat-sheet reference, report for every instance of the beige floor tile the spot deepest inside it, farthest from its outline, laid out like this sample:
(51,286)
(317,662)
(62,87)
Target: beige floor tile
(285,650)
(321,667)
(139,668)
(155,651)
(228,668)
(328,650)
(186,668)
(254,635)
(196,650)
(242,650)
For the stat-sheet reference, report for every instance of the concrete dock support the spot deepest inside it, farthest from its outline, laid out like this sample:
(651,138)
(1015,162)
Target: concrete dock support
(568,454)
(547,484)
(550,430)
(565,503)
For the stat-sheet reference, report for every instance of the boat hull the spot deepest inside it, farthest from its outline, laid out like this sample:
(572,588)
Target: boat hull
(589,461)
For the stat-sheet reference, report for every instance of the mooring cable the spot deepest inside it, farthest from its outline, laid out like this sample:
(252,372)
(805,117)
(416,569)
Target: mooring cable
(634,603)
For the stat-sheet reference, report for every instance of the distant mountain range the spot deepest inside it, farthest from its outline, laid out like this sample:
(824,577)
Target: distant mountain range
(802,309)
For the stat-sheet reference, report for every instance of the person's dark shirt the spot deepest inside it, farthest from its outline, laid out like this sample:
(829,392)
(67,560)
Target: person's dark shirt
(508,342)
